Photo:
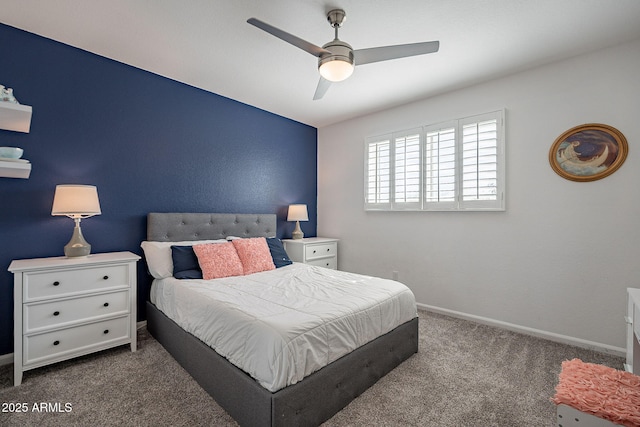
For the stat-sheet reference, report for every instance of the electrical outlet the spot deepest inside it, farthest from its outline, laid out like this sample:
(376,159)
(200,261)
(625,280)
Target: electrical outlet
(394,275)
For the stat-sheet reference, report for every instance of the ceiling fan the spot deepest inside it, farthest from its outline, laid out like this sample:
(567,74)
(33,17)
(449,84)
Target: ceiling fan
(337,59)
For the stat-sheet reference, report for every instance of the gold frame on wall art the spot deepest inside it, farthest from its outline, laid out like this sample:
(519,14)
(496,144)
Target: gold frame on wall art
(588,152)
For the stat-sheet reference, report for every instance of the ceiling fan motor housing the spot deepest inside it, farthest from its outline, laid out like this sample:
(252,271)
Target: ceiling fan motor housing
(340,51)
(336,17)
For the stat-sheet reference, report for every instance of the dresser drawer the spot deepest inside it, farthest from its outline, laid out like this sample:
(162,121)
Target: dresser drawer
(325,262)
(78,340)
(321,250)
(53,313)
(54,283)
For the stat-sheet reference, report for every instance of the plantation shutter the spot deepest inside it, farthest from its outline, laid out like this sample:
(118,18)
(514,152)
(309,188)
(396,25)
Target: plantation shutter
(378,175)
(481,162)
(440,166)
(407,170)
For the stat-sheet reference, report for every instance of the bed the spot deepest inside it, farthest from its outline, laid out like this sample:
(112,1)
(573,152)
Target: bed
(244,397)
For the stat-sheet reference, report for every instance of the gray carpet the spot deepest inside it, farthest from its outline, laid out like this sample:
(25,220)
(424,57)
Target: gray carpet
(465,374)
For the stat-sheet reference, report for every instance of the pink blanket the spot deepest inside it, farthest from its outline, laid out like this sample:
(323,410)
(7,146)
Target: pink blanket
(601,391)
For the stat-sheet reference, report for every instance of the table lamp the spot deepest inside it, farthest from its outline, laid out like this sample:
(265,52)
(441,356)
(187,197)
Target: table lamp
(297,213)
(77,202)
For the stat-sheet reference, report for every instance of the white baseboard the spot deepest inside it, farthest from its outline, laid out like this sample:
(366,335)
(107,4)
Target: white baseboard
(141,324)
(551,336)
(6,359)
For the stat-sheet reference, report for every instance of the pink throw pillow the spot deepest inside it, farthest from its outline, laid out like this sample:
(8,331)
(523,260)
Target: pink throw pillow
(218,260)
(254,254)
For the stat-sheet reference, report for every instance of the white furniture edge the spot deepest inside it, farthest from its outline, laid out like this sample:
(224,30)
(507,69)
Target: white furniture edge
(318,239)
(571,417)
(632,319)
(35,264)
(551,336)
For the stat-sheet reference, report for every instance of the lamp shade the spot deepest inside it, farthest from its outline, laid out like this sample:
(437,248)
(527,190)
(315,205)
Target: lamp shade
(76,200)
(297,213)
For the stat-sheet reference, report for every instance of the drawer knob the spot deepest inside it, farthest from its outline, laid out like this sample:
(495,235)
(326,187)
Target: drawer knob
(56,313)
(56,342)
(106,331)
(314,251)
(328,249)
(56,283)
(105,277)
(106,304)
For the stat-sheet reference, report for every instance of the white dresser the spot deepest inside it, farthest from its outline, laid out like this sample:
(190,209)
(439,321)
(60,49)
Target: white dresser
(633,331)
(68,307)
(320,251)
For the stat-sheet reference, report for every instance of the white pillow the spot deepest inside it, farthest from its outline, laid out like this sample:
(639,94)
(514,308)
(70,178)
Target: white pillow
(158,255)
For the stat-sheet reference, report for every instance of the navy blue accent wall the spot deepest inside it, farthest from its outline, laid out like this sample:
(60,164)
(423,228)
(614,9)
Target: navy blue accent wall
(150,144)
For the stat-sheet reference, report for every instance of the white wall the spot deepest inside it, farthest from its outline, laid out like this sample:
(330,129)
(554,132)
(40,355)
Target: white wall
(560,258)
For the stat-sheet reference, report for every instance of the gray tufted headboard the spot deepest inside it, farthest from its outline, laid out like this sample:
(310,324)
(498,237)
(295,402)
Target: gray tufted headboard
(173,227)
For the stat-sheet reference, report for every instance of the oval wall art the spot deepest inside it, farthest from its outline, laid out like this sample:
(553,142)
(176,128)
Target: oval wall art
(588,152)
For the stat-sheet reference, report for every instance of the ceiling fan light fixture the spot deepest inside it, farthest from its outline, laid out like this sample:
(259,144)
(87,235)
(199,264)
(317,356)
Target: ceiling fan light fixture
(338,64)
(337,59)
(336,70)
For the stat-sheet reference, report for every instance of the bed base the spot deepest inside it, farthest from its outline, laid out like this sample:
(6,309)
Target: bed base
(310,402)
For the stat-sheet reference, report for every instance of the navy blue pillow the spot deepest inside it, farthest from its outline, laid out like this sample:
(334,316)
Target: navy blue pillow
(185,263)
(279,255)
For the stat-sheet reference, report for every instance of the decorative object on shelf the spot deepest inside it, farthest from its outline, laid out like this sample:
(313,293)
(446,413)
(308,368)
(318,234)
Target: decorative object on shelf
(77,202)
(297,213)
(6,95)
(10,153)
(588,152)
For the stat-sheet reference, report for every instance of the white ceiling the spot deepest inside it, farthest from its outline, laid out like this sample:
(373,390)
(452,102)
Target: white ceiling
(208,44)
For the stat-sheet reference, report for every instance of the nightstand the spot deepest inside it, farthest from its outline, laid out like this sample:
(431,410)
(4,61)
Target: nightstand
(320,251)
(69,307)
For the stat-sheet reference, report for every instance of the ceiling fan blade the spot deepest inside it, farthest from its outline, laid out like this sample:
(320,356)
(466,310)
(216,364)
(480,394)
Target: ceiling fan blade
(289,38)
(384,53)
(323,86)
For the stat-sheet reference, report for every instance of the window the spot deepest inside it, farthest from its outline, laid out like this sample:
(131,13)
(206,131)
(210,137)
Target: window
(457,165)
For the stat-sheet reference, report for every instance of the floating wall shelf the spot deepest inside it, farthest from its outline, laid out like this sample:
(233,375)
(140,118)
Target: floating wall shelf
(15,117)
(9,169)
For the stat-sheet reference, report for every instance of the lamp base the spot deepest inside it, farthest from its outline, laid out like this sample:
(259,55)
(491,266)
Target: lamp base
(297,232)
(77,246)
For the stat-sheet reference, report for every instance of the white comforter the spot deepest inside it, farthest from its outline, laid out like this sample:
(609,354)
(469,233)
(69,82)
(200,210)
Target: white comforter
(281,325)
